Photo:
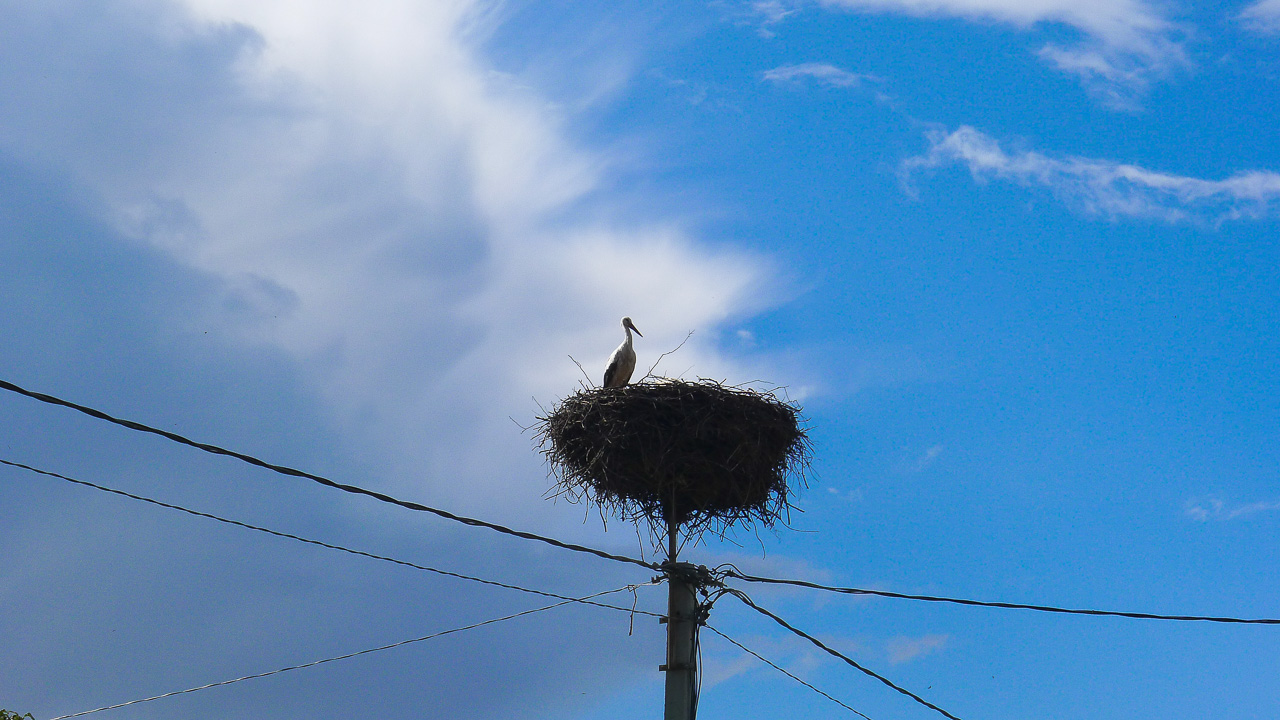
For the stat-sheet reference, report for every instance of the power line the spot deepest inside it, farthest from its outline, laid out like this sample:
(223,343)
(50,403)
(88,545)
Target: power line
(309,541)
(348,655)
(751,604)
(1014,606)
(293,472)
(214,449)
(784,671)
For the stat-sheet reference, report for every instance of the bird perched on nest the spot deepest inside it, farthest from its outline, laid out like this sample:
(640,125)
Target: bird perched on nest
(623,360)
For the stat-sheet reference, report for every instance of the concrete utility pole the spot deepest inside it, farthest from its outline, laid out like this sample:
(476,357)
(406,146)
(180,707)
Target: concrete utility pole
(682,624)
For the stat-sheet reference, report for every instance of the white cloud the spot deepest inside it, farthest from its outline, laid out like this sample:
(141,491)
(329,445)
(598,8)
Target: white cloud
(763,15)
(1126,43)
(723,662)
(854,495)
(1105,186)
(1118,84)
(770,13)
(927,459)
(382,206)
(1211,508)
(1262,17)
(906,649)
(822,72)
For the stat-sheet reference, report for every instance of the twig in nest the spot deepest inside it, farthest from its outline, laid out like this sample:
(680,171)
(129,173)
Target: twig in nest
(650,374)
(589,384)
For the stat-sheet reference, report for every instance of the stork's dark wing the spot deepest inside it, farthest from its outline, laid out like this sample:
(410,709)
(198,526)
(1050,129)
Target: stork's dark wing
(611,372)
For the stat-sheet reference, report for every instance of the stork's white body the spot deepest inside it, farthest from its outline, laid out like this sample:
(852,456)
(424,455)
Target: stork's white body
(623,360)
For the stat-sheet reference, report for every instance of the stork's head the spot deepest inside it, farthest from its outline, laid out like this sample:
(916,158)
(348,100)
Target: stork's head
(626,323)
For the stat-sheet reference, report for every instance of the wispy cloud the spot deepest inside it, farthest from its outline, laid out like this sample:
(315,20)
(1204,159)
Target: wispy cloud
(1212,508)
(906,649)
(1116,83)
(825,73)
(1104,186)
(927,459)
(770,13)
(1124,45)
(1262,17)
(772,10)
(763,15)
(852,495)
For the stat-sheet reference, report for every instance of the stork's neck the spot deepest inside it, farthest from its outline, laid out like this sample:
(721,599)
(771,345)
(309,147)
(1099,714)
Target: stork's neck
(628,340)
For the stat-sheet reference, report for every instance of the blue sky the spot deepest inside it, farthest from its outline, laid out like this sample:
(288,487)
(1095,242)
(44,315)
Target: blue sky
(1015,259)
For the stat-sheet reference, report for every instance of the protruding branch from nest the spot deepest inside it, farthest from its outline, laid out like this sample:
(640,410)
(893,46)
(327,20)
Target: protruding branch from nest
(583,370)
(649,375)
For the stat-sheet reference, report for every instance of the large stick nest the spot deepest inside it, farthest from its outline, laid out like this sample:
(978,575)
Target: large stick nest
(704,454)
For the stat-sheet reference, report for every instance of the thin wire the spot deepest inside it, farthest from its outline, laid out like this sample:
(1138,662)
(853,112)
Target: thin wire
(751,604)
(782,670)
(298,538)
(1007,605)
(695,679)
(293,472)
(346,656)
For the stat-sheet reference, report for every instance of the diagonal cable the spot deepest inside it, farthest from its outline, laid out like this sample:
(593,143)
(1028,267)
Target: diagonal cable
(784,671)
(293,472)
(330,546)
(751,604)
(348,655)
(1007,605)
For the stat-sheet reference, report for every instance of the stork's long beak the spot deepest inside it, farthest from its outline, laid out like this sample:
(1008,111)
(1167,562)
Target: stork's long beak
(633,327)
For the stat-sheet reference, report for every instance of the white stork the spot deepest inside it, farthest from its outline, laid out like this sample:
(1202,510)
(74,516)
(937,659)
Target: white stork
(623,360)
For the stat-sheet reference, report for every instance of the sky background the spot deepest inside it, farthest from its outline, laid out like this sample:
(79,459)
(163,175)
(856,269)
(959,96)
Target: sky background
(1016,260)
